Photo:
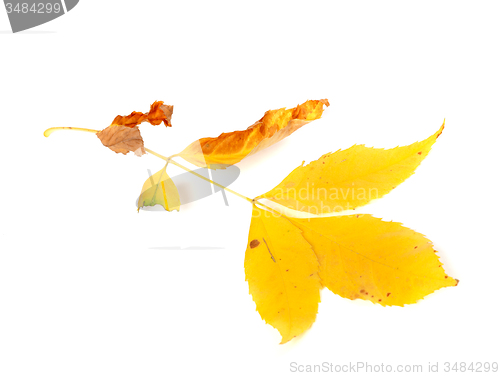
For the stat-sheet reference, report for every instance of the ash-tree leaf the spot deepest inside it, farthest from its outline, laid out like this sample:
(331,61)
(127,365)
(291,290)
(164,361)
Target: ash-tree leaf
(349,178)
(282,274)
(122,139)
(362,257)
(157,114)
(159,189)
(230,148)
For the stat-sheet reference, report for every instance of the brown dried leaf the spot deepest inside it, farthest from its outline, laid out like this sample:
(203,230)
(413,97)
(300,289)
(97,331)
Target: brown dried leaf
(230,148)
(157,114)
(122,139)
(167,111)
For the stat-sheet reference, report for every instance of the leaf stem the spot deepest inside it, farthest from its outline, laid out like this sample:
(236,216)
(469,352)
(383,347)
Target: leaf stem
(49,131)
(170,160)
(211,181)
(158,155)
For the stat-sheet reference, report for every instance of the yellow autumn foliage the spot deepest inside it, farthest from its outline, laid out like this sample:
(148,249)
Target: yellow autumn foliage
(355,256)
(282,273)
(349,178)
(362,257)
(159,189)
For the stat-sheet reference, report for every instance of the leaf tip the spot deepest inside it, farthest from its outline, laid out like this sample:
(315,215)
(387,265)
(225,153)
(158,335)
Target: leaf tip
(440,130)
(325,102)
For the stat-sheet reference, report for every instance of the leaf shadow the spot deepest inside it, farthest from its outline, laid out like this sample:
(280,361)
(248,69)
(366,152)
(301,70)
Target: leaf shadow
(191,248)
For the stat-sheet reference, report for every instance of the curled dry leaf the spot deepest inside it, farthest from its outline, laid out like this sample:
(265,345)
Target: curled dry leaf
(122,139)
(123,134)
(230,148)
(157,114)
(349,178)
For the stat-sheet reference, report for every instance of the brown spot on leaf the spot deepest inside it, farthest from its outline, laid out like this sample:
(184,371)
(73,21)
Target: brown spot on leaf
(416,247)
(388,293)
(362,291)
(419,153)
(380,300)
(254,243)
(457,281)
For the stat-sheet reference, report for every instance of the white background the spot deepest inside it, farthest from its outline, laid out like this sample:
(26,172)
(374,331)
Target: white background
(90,287)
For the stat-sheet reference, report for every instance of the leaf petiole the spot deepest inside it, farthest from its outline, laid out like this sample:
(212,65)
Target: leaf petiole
(211,181)
(170,160)
(49,131)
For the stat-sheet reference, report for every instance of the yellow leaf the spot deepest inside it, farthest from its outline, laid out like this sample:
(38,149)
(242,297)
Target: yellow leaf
(362,257)
(349,178)
(230,148)
(282,274)
(159,189)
